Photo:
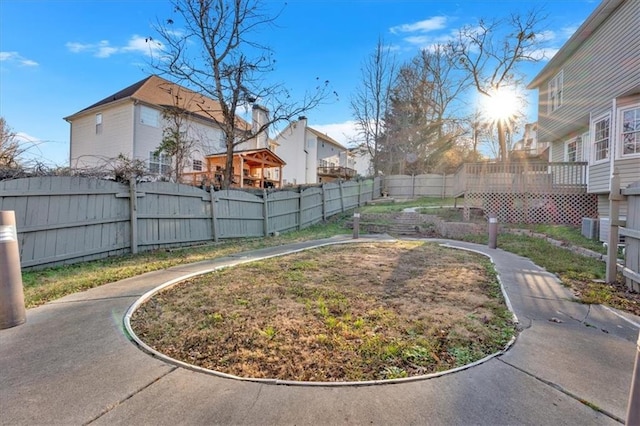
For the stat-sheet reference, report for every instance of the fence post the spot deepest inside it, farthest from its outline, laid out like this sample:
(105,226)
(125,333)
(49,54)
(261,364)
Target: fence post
(324,203)
(214,219)
(265,213)
(133,215)
(300,203)
(614,217)
(413,186)
(341,196)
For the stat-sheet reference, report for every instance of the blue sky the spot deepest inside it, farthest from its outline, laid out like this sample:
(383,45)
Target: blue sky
(59,56)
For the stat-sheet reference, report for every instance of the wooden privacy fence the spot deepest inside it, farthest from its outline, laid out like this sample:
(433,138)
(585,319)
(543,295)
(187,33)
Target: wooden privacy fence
(427,185)
(629,229)
(70,219)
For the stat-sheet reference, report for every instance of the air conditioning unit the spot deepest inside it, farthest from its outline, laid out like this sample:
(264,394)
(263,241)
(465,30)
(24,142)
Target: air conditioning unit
(604,231)
(590,228)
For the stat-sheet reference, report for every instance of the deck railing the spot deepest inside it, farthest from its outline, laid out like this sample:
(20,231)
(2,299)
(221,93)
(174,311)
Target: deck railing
(521,177)
(336,171)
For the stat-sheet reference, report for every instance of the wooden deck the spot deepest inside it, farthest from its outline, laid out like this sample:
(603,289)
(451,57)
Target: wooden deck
(521,178)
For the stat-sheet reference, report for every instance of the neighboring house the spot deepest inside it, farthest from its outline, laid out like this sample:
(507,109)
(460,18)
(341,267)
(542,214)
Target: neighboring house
(131,122)
(529,147)
(360,161)
(311,156)
(589,99)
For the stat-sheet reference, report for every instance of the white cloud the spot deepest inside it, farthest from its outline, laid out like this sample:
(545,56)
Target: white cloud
(49,153)
(24,137)
(547,35)
(104,49)
(17,58)
(345,132)
(429,42)
(568,31)
(431,24)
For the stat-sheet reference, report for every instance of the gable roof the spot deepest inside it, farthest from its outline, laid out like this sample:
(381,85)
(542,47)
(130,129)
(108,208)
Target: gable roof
(588,27)
(155,90)
(264,155)
(326,138)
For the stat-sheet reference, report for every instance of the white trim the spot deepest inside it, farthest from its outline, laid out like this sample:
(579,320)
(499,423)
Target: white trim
(613,140)
(620,150)
(592,134)
(555,86)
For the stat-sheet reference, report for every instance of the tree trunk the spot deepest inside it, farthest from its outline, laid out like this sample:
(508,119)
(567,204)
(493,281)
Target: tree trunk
(502,141)
(227,176)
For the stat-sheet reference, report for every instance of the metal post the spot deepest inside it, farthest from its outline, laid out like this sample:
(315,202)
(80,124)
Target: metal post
(356,226)
(493,231)
(633,409)
(12,311)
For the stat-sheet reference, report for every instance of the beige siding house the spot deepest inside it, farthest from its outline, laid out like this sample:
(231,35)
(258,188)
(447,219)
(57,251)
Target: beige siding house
(589,98)
(131,122)
(311,156)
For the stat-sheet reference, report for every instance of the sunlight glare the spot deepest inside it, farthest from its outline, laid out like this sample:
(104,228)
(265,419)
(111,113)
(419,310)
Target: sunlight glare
(502,105)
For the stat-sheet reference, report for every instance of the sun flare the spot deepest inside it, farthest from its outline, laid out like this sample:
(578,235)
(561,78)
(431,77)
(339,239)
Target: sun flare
(502,104)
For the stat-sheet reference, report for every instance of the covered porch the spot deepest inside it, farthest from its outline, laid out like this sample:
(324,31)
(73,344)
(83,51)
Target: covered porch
(254,168)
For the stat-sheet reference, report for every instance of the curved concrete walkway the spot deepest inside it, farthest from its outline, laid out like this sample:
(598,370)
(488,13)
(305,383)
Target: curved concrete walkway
(72,363)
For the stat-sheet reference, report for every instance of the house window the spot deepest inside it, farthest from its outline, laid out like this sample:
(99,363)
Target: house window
(149,116)
(159,163)
(601,139)
(574,150)
(197,165)
(631,131)
(98,123)
(555,90)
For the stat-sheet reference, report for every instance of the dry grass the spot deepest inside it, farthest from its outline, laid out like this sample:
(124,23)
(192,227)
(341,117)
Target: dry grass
(340,313)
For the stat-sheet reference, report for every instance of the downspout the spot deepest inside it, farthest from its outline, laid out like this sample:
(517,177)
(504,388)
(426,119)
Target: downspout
(589,151)
(70,139)
(133,133)
(306,157)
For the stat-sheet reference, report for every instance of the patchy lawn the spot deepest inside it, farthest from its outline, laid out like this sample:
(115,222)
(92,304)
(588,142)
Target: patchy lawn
(340,313)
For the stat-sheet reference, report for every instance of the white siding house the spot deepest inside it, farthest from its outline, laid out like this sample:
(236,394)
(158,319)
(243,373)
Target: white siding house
(311,156)
(589,98)
(131,122)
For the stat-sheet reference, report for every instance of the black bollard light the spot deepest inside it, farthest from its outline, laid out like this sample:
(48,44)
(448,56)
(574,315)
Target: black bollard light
(493,232)
(356,226)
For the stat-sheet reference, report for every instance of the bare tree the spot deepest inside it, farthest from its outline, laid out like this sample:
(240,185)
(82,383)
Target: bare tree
(421,123)
(10,148)
(370,101)
(177,141)
(491,52)
(208,46)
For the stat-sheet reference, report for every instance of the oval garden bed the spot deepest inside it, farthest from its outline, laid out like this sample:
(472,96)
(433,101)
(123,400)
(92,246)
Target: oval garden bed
(350,312)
